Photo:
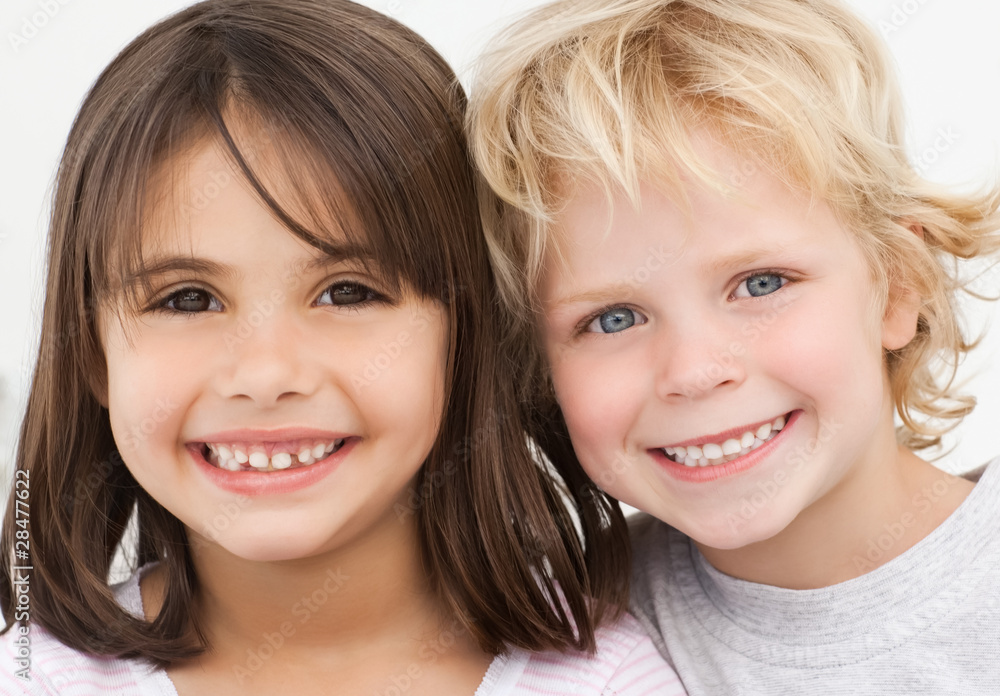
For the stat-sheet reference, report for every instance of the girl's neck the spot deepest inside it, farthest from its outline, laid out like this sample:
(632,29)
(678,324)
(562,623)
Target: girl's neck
(830,541)
(343,596)
(337,614)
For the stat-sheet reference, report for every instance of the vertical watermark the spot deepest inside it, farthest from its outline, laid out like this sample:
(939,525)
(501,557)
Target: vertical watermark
(22,575)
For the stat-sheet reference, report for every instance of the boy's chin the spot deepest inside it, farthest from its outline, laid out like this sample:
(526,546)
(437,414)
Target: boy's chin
(732,531)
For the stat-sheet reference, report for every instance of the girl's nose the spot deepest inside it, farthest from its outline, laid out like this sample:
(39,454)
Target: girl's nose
(698,359)
(266,360)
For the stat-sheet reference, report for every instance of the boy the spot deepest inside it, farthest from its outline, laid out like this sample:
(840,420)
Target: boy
(722,185)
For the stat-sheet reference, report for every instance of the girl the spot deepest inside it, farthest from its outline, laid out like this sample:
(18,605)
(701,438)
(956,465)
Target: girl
(742,281)
(270,368)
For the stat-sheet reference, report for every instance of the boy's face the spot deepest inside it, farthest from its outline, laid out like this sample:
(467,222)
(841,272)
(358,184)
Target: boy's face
(721,370)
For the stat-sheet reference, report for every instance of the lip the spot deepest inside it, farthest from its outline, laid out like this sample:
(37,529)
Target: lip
(255,484)
(704,474)
(282,439)
(256,436)
(719,438)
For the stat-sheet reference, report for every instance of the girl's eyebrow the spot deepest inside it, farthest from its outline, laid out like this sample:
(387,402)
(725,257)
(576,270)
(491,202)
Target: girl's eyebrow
(331,254)
(162,265)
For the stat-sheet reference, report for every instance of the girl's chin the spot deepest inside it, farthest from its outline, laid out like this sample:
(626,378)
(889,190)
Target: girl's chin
(260,548)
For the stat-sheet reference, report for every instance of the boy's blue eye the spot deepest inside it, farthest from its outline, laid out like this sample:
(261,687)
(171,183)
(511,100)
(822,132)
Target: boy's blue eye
(761,284)
(615,320)
(191,300)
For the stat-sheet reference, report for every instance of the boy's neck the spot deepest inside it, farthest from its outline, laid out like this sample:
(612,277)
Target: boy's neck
(831,541)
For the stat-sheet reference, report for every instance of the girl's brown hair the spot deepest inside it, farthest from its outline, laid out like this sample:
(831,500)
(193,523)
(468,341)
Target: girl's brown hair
(364,117)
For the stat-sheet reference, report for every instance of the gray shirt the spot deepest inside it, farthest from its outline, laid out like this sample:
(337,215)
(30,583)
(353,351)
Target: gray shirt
(926,622)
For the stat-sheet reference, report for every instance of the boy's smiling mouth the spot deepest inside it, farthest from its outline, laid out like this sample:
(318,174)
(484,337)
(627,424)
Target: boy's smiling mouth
(719,449)
(269,456)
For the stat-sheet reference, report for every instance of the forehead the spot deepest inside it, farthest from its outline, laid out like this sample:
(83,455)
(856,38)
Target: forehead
(603,240)
(199,202)
(199,205)
(189,181)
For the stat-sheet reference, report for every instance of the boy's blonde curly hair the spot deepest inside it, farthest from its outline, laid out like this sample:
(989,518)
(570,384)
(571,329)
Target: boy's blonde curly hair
(612,90)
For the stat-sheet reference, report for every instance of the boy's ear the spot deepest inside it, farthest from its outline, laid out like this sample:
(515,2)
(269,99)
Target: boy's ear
(899,323)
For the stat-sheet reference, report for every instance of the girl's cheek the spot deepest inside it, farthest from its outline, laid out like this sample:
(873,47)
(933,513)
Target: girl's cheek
(144,420)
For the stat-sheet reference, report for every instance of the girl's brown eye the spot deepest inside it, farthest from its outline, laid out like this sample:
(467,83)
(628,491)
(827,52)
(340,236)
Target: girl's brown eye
(189,300)
(345,294)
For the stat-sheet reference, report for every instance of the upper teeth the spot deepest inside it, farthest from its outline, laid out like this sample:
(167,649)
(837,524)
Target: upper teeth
(255,457)
(718,453)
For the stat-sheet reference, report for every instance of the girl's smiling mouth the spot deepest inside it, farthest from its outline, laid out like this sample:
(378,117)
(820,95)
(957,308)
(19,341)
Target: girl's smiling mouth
(713,457)
(269,456)
(255,462)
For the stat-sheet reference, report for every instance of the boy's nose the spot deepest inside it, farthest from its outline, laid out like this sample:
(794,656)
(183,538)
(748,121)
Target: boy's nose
(697,359)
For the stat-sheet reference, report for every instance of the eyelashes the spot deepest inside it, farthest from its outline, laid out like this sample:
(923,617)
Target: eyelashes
(353,294)
(613,320)
(761,284)
(191,300)
(616,318)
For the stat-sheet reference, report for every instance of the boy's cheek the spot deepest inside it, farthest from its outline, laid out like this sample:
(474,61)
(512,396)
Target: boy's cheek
(818,349)
(599,404)
(558,355)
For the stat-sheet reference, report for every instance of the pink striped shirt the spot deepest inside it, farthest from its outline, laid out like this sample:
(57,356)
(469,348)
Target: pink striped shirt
(626,664)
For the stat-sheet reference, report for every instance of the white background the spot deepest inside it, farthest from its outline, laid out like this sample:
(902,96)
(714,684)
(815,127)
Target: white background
(948,52)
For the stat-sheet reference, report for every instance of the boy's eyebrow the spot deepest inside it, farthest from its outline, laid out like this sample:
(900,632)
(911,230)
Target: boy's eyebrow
(745,257)
(602,293)
(332,253)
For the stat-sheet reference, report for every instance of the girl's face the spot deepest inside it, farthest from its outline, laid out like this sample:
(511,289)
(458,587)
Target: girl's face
(278,401)
(720,370)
